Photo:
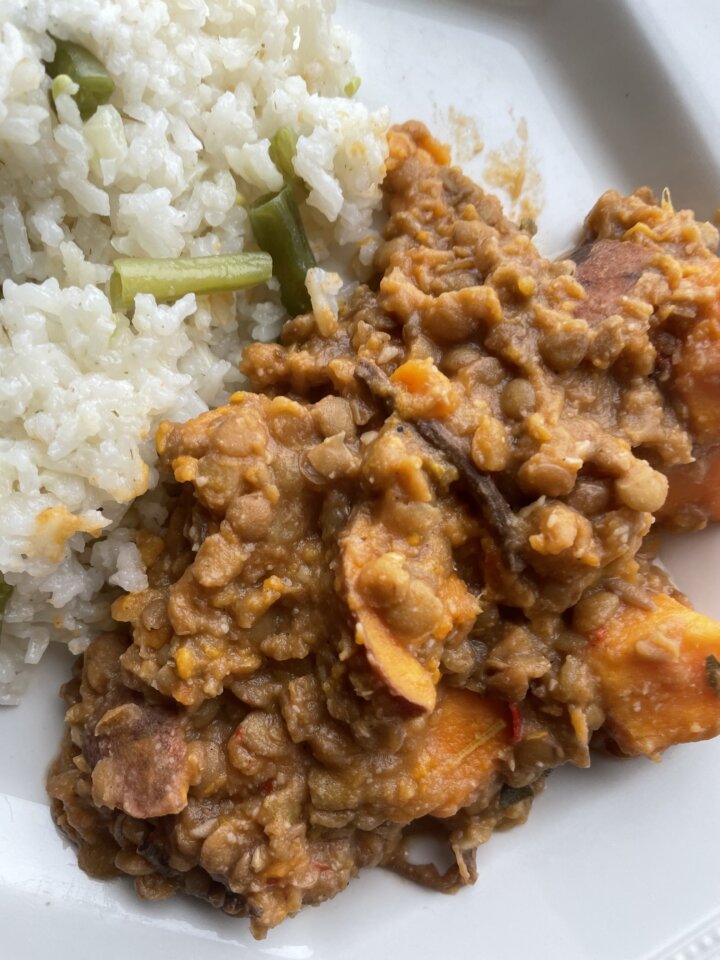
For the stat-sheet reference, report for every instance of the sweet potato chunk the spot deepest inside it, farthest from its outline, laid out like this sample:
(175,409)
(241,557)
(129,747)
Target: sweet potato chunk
(465,738)
(660,676)
(694,486)
(452,758)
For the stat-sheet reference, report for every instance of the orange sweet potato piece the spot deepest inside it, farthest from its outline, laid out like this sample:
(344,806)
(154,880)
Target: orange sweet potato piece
(659,673)
(449,759)
(465,738)
(694,485)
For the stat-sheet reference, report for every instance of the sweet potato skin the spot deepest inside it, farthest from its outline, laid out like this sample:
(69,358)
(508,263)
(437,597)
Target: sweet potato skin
(656,677)
(406,599)
(399,670)
(608,270)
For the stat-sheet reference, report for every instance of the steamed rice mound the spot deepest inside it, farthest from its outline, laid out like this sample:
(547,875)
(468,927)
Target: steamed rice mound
(165,169)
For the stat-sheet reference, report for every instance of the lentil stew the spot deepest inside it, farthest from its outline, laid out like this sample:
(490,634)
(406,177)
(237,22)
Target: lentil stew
(411,574)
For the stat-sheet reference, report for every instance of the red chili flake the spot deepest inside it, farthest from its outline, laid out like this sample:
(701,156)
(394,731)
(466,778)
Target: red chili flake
(322,867)
(269,786)
(517,724)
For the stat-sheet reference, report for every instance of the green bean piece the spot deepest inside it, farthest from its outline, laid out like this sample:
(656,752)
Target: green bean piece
(278,229)
(283,148)
(171,278)
(95,83)
(61,84)
(352,86)
(712,673)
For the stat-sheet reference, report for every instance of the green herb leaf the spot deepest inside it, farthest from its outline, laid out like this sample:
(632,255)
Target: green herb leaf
(712,673)
(509,796)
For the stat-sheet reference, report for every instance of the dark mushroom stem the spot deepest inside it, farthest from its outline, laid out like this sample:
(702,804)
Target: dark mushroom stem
(428,875)
(480,486)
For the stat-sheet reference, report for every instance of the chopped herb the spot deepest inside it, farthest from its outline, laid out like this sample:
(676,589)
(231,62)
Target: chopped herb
(279,231)
(171,278)
(509,796)
(76,64)
(352,86)
(712,673)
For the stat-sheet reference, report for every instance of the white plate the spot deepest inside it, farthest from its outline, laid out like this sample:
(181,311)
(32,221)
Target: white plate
(616,863)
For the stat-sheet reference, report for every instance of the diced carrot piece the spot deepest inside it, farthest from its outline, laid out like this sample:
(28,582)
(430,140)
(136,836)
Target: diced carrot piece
(414,138)
(659,676)
(695,485)
(465,738)
(425,391)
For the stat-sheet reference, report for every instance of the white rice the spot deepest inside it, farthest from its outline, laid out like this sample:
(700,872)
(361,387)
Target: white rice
(201,87)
